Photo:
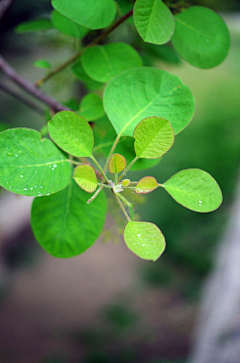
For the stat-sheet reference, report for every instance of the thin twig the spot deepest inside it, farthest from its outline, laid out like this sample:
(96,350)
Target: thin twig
(24,100)
(95,41)
(4,5)
(29,87)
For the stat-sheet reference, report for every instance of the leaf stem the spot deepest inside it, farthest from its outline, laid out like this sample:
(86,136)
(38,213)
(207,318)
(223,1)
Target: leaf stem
(105,185)
(111,152)
(95,195)
(124,200)
(95,41)
(74,162)
(99,167)
(127,168)
(122,207)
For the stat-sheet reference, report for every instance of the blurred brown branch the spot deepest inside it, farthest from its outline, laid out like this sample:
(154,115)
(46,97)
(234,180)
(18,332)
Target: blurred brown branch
(29,87)
(4,5)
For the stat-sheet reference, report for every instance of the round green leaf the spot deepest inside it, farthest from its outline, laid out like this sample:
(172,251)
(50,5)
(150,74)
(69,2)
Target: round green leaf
(117,164)
(146,185)
(30,165)
(111,59)
(85,177)
(144,239)
(154,136)
(35,25)
(154,21)
(143,92)
(201,37)
(66,26)
(91,107)
(195,189)
(79,73)
(72,133)
(91,14)
(64,224)
(42,63)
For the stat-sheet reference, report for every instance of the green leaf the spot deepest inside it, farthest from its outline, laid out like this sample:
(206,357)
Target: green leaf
(164,53)
(154,136)
(111,59)
(66,26)
(42,63)
(30,165)
(104,135)
(144,239)
(64,224)
(143,92)
(125,182)
(33,26)
(91,14)
(154,21)
(201,37)
(117,164)
(91,107)
(85,177)
(124,6)
(146,185)
(72,133)
(79,73)
(195,189)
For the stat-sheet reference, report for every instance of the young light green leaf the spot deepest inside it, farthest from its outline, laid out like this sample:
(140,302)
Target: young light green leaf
(91,14)
(85,177)
(64,224)
(117,163)
(125,182)
(195,189)
(72,133)
(146,185)
(142,92)
(110,60)
(35,25)
(67,26)
(154,21)
(30,165)
(79,73)
(104,135)
(201,37)
(144,239)
(91,107)
(42,63)
(154,136)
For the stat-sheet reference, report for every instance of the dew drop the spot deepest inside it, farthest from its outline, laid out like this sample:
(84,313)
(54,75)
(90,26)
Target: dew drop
(39,194)
(35,172)
(41,186)
(139,234)
(9,153)
(21,176)
(55,165)
(35,186)
(16,155)
(200,203)
(31,188)
(26,189)
(53,168)
(48,194)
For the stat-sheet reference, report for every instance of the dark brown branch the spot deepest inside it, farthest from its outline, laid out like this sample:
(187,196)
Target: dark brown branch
(29,87)
(22,99)
(4,5)
(97,40)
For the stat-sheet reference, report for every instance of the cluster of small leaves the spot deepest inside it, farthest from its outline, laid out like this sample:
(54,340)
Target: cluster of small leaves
(136,120)
(62,220)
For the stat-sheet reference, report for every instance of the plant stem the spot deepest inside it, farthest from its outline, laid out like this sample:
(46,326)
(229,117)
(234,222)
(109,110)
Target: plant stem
(124,200)
(111,152)
(29,87)
(105,185)
(122,207)
(127,168)
(100,168)
(95,41)
(74,162)
(95,195)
